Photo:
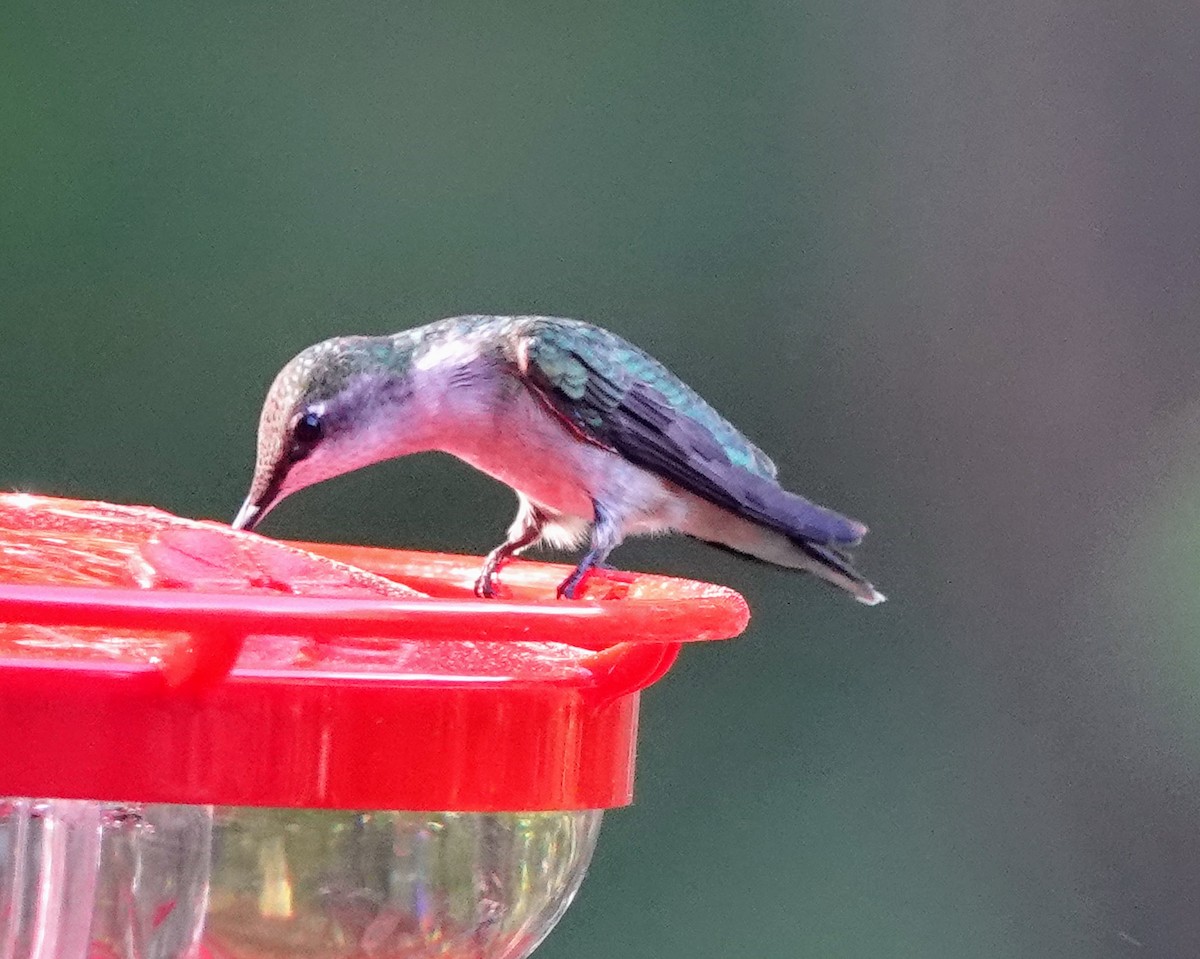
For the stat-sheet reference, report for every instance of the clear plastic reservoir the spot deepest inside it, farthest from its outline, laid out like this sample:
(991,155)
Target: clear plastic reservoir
(84,880)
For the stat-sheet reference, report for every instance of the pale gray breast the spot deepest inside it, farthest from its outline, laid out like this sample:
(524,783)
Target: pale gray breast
(513,438)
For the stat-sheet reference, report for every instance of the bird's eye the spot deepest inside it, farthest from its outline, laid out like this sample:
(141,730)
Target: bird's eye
(308,428)
(307,432)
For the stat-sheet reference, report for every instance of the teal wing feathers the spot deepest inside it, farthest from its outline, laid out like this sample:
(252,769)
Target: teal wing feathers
(593,372)
(614,395)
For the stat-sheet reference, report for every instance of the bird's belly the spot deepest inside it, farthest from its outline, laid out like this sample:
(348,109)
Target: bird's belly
(537,456)
(553,480)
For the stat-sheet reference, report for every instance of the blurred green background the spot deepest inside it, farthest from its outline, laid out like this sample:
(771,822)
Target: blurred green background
(940,259)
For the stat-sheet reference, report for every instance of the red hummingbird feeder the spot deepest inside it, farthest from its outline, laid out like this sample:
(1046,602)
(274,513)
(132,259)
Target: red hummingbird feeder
(228,747)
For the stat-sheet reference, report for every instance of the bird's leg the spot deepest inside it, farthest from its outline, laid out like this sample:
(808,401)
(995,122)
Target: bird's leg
(606,536)
(525,530)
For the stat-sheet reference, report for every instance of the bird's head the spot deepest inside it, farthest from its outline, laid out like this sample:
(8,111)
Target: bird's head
(335,407)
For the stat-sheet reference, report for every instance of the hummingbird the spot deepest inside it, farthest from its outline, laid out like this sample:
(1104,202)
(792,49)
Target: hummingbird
(598,439)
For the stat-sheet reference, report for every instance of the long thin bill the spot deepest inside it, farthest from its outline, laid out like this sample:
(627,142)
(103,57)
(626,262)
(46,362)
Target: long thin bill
(248,516)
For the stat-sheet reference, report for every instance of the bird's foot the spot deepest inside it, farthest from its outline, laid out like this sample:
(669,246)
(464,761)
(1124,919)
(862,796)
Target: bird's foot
(486,586)
(572,586)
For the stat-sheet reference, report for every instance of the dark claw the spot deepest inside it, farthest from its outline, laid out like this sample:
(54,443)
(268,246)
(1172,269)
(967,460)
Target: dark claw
(569,588)
(485,586)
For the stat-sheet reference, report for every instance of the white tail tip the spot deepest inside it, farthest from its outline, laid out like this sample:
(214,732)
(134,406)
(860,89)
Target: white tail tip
(870,597)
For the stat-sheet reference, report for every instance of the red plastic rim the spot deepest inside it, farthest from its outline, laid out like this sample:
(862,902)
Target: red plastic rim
(152,658)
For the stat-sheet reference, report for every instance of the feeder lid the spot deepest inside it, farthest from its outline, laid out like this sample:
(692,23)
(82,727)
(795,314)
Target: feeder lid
(145,657)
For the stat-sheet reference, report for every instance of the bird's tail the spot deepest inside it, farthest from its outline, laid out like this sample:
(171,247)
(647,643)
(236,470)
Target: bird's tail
(803,535)
(835,568)
(788,530)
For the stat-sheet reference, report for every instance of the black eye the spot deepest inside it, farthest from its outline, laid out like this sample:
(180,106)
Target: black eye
(307,429)
(306,434)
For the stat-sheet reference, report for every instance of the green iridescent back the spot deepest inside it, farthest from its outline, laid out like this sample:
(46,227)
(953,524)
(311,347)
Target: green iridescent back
(595,368)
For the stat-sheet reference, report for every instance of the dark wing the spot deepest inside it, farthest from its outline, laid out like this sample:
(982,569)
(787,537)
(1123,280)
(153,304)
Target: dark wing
(617,396)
